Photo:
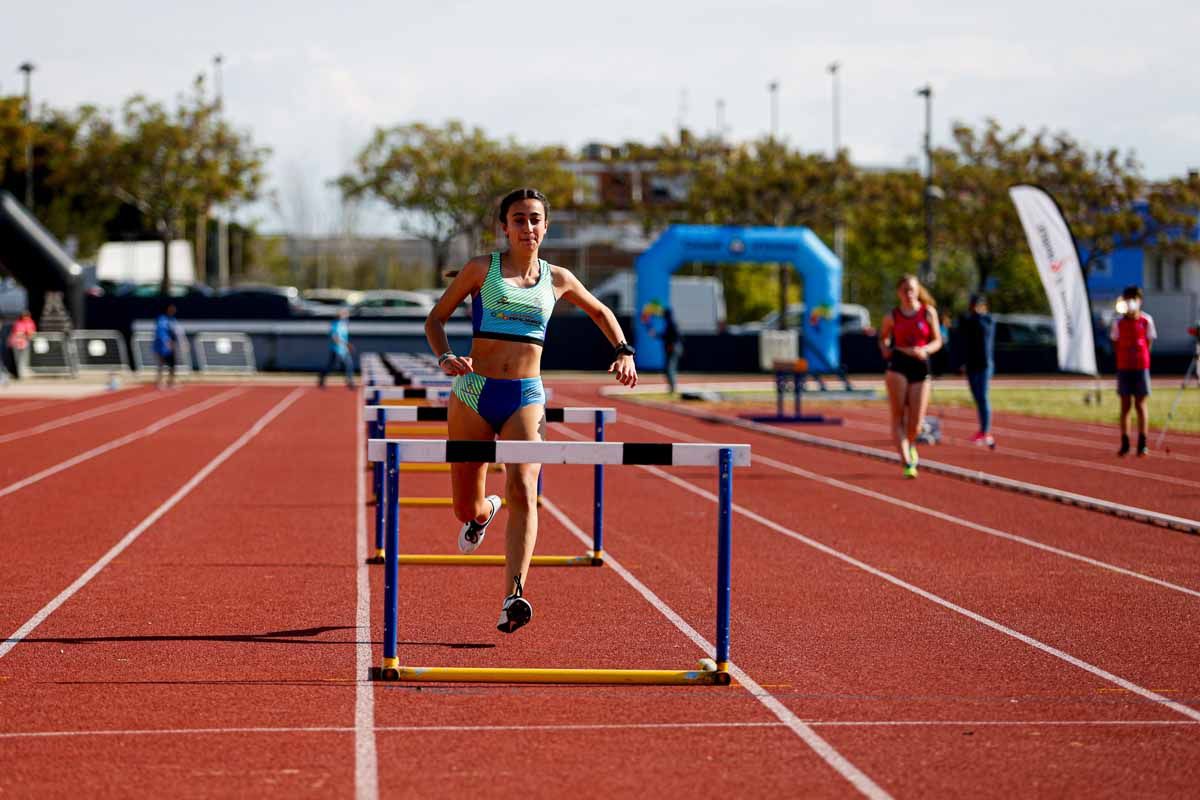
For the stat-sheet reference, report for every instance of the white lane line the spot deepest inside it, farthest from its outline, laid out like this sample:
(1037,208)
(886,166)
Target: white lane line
(671,433)
(822,748)
(366,759)
(37,619)
(120,442)
(4,412)
(1074,462)
(1103,674)
(616,726)
(110,408)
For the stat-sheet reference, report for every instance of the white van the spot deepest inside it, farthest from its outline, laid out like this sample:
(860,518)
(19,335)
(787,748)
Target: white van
(698,303)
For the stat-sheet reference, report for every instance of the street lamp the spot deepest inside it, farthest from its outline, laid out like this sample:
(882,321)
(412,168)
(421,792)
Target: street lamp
(28,68)
(773,88)
(832,69)
(926,92)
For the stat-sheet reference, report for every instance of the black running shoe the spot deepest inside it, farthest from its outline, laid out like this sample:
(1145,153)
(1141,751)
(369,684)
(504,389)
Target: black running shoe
(516,611)
(1124,451)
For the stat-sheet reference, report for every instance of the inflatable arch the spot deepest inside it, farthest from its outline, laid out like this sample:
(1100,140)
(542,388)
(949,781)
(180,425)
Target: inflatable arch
(679,244)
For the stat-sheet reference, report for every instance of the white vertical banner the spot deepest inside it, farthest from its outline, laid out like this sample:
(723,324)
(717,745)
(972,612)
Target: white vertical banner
(1058,266)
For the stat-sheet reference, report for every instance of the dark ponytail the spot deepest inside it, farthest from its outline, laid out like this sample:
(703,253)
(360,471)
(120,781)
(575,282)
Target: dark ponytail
(521,194)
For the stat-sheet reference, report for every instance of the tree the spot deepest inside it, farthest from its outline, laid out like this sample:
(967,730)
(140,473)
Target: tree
(446,182)
(171,165)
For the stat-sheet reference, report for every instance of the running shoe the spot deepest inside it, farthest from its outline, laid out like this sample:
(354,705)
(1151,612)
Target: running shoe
(1124,451)
(516,611)
(1142,449)
(910,471)
(989,441)
(913,457)
(979,438)
(471,535)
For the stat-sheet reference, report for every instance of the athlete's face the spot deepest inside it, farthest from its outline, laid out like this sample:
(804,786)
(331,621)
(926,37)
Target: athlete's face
(526,224)
(907,293)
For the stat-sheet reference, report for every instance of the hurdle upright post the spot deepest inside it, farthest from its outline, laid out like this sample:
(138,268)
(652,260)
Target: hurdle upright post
(724,553)
(379,428)
(391,570)
(598,496)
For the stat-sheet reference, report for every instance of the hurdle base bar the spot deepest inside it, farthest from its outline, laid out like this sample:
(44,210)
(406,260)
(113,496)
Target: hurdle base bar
(645,677)
(437,502)
(588,559)
(794,419)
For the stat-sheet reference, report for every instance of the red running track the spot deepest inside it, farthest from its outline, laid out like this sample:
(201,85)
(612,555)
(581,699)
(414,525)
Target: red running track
(991,644)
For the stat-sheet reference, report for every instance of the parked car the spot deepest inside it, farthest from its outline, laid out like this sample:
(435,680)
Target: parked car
(154,290)
(392,303)
(1024,330)
(255,301)
(328,302)
(854,319)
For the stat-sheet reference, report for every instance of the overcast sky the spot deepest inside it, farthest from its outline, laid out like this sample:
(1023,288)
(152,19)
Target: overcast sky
(311,80)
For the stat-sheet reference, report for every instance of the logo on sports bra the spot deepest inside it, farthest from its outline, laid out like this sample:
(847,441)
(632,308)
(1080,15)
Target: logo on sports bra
(517,317)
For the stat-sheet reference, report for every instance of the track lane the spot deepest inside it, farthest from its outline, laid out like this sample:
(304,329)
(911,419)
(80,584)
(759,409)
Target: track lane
(62,524)
(234,613)
(978,663)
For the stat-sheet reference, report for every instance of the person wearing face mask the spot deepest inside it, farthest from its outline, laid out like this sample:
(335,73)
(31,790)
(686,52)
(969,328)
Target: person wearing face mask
(497,390)
(1133,335)
(907,338)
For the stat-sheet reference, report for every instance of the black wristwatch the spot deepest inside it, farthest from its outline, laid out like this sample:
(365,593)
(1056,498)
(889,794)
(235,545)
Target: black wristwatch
(623,349)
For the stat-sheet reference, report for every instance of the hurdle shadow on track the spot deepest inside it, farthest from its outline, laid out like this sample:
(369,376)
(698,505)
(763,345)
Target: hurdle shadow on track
(269,637)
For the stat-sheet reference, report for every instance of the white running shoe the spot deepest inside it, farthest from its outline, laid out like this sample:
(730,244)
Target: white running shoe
(471,535)
(516,611)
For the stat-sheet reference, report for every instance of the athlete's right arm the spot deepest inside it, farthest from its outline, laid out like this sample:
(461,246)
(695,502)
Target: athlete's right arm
(885,336)
(468,281)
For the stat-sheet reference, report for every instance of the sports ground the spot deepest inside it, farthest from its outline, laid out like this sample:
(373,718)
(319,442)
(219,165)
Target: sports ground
(186,609)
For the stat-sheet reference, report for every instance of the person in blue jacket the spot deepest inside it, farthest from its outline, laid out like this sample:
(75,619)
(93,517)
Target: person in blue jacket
(166,345)
(339,349)
(978,332)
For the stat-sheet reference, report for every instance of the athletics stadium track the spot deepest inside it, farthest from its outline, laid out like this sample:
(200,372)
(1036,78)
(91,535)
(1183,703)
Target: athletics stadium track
(1001,644)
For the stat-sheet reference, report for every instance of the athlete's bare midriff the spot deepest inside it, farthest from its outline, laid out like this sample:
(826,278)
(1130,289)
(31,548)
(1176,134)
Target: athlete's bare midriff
(497,358)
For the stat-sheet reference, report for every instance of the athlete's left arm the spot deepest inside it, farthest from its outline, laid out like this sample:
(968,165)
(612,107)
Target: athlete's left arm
(568,287)
(935,331)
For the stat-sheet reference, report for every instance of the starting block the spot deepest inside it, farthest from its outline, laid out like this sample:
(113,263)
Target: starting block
(378,418)
(793,372)
(724,457)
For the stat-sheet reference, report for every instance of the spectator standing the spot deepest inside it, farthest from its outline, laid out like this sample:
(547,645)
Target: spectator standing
(673,345)
(978,332)
(166,345)
(339,349)
(19,340)
(1133,335)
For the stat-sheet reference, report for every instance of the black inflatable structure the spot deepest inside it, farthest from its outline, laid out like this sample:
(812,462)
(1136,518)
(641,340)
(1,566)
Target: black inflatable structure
(35,258)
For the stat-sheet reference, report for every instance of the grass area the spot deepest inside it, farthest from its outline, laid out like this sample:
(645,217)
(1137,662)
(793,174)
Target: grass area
(1069,404)
(1066,403)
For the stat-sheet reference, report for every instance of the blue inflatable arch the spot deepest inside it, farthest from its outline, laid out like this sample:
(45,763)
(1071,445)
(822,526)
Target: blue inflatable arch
(680,244)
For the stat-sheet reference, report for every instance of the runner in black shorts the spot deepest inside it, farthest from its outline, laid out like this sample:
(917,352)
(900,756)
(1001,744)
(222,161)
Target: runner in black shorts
(907,338)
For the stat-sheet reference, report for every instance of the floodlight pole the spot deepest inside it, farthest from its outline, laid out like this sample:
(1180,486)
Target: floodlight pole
(773,88)
(28,68)
(926,92)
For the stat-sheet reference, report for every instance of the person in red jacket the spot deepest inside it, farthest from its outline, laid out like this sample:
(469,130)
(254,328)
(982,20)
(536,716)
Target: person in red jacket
(1133,335)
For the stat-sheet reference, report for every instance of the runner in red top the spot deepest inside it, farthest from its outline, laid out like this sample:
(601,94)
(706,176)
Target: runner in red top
(1133,335)
(907,338)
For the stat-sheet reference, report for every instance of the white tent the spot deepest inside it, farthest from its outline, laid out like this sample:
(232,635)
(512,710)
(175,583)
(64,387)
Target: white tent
(141,262)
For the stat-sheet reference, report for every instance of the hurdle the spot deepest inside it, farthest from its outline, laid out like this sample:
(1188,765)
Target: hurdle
(724,457)
(793,371)
(378,416)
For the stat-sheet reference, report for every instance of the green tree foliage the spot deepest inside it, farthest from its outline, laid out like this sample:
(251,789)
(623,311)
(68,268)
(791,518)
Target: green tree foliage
(172,165)
(446,182)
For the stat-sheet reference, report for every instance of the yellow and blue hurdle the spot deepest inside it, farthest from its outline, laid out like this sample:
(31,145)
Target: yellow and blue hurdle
(379,416)
(393,452)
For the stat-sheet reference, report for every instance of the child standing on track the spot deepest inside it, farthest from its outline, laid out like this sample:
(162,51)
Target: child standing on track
(907,338)
(498,388)
(1133,335)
